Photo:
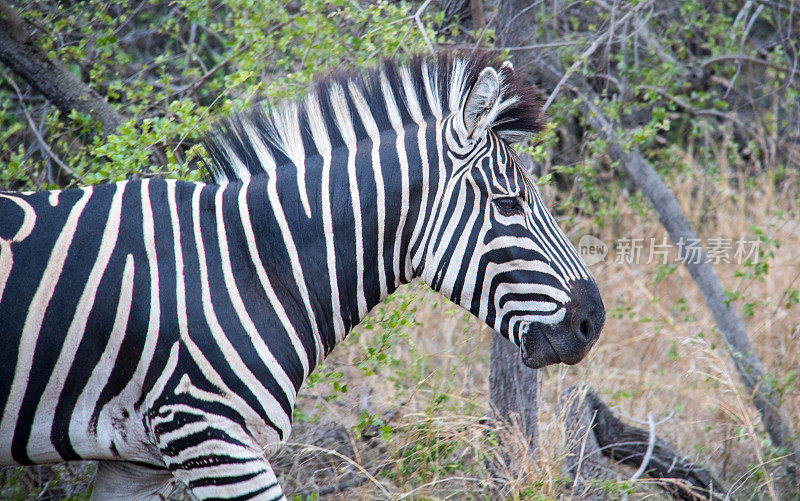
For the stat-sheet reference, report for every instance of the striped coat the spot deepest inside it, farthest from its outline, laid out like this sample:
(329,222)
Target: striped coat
(165,327)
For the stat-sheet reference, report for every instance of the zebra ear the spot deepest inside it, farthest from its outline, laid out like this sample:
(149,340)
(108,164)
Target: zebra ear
(481,105)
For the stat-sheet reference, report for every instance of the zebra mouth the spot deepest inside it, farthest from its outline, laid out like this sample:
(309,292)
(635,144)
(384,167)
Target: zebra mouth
(536,348)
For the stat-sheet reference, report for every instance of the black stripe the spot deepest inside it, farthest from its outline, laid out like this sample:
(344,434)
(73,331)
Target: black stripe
(175,447)
(249,495)
(168,332)
(209,460)
(226,314)
(275,257)
(254,297)
(227,480)
(61,310)
(26,273)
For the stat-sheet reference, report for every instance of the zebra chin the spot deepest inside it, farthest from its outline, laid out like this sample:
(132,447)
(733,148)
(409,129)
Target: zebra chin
(569,340)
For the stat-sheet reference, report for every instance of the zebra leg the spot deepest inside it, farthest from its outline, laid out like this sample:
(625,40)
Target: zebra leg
(227,471)
(124,481)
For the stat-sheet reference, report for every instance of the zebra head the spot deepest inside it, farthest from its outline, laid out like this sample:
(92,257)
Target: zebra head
(495,249)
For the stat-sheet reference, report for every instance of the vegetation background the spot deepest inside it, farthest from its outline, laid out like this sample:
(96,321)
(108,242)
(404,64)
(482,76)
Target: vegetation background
(708,92)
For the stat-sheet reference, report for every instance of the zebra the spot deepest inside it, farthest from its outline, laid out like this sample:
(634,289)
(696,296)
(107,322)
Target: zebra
(164,327)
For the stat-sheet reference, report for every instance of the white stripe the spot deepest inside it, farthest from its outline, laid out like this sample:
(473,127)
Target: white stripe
(452,188)
(238,305)
(439,209)
(493,269)
(245,487)
(412,101)
(287,125)
(320,135)
(185,386)
(82,413)
(263,278)
(447,234)
(573,258)
(286,234)
(212,446)
(400,144)
(550,240)
(242,172)
(457,91)
(229,470)
(206,368)
(232,356)
(25,229)
(344,121)
(430,78)
(549,319)
(457,256)
(184,431)
(39,442)
(526,306)
(166,374)
(523,242)
(33,321)
(154,321)
(380,202)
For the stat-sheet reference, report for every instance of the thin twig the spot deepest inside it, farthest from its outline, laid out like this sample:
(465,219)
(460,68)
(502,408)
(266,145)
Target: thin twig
(439,481)
(740,57)
(536,46)
(35,129)
(640,421)
(418,18)
(199,120)
(523,11)
(786,8)
(343,458)
(192,87)
(585,55)
(741,47)
(651,442)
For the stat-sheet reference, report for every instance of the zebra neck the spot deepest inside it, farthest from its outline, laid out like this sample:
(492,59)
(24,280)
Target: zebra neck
(378,191)
(335,242)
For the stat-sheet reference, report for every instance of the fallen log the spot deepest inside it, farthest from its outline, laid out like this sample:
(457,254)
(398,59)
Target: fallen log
(595,433)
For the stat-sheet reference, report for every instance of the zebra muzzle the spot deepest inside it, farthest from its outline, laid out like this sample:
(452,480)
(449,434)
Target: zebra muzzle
(569,340)
(536,349)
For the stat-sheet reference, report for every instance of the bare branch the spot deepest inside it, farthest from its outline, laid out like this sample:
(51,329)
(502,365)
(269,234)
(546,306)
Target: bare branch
(35,130)
(50,77)
(651,442)
(588,52)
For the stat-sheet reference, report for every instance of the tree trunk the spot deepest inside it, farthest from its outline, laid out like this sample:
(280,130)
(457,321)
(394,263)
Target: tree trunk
(20,53)
(513,387)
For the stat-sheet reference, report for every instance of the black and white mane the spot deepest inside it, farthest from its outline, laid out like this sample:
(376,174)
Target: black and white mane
(423,87)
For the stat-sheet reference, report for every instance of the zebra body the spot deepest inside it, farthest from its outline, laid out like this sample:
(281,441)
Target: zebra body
(165,327)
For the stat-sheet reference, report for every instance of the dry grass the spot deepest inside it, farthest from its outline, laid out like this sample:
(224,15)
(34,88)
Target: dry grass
(660,353)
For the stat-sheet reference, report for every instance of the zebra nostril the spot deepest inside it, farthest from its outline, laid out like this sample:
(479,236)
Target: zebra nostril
(584,329)
(586,313)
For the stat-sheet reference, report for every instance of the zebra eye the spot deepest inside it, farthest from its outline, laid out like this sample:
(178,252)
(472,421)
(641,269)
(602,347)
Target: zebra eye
(508,205)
